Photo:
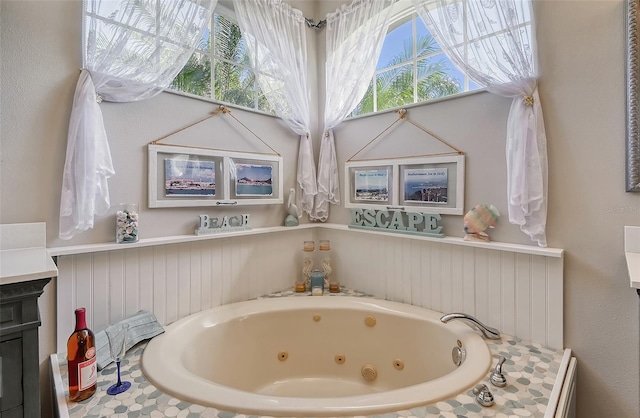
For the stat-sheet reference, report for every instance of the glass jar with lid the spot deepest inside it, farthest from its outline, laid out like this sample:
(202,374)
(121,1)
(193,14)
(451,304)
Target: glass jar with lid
(127,223)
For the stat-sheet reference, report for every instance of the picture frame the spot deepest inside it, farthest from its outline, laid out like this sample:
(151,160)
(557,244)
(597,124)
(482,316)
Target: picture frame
(632,177)
(417,184)
(187,176)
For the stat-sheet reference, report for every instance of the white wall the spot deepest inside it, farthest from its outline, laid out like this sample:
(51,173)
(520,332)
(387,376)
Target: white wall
(581,48)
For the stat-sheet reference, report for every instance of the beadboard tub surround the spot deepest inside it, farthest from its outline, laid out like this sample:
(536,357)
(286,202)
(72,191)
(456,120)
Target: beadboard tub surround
(516,288)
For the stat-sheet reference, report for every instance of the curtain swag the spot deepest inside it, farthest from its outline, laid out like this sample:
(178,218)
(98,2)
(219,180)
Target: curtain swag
(132,50)
(493,42)
(276,39)
(355,34)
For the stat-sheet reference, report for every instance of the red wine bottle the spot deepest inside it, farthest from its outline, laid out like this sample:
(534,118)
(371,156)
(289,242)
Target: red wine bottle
(81,360)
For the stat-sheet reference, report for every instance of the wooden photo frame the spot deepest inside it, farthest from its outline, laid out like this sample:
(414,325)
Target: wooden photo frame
(632,181)
(416,184)
(187,176)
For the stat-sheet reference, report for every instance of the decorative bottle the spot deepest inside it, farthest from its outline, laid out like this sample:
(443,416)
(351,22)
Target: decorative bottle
(81,360)
(307,262)
(325,262)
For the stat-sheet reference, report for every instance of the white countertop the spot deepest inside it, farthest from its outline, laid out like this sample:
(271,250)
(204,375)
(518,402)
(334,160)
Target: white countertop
(21,265)
(23,255)
(632,253)
(633,264)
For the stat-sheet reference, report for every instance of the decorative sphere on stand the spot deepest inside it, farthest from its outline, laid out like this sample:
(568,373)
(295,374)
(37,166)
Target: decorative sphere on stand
(479,219)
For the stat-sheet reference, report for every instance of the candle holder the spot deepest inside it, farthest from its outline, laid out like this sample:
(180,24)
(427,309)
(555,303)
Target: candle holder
(317,282)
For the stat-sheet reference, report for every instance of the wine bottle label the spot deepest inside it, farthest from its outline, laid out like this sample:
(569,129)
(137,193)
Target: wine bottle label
(87,373)
(90,353)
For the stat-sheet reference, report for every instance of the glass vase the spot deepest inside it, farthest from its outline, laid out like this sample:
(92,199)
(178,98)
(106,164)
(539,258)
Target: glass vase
(308,252)
(325,261)
(127,219)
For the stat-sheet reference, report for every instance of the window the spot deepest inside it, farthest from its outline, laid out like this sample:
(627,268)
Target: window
(411,69)
(233,78)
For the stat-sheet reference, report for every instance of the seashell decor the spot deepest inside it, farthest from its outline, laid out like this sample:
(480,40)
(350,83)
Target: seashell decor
(478,220)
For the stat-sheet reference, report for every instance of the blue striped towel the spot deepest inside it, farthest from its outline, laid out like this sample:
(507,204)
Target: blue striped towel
(143,325)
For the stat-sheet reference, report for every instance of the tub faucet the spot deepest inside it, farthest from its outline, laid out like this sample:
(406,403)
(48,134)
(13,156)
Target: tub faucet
(488,332)
(497,379)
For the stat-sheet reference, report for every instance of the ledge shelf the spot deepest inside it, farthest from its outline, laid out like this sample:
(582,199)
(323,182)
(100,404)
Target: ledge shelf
(149,242)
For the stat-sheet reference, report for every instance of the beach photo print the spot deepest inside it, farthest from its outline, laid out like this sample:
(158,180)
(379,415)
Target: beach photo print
(189,177)
(254,180)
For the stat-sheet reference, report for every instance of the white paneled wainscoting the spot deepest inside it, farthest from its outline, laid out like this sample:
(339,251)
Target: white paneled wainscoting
(515,288)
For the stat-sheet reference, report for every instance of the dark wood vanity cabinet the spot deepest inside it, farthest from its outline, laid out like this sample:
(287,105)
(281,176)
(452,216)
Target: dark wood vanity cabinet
(19,362)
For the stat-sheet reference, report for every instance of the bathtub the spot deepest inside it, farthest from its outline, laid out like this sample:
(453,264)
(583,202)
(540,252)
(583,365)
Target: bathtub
(315,356)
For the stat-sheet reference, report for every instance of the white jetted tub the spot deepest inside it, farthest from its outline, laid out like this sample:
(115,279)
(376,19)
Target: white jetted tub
(315,356)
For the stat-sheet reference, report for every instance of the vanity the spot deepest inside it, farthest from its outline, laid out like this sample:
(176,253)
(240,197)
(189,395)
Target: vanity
(25,269)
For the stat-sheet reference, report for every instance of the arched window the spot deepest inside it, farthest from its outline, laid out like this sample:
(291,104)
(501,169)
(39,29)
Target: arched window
(222,48)
(411,69)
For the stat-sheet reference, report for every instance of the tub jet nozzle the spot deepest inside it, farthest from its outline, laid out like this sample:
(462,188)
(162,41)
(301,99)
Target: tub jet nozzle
(369,372)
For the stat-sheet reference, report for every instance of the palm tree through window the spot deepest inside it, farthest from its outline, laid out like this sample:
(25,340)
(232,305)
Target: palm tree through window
(411,69)
(222,48)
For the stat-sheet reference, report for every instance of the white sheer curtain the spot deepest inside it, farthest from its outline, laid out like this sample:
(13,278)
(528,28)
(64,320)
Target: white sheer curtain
(276,39)
(132,50)
(355,34)
(493,42)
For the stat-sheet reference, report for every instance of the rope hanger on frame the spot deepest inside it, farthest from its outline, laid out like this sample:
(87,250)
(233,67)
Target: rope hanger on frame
(402,116)
(220,110)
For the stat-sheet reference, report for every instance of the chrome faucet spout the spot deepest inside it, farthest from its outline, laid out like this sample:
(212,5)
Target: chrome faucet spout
(487,332)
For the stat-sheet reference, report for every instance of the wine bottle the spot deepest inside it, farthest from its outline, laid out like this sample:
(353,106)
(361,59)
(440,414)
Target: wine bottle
(81,360)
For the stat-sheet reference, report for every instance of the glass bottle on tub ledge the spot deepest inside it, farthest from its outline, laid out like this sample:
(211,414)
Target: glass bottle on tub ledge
(81,360)
(127,219)
(325,262)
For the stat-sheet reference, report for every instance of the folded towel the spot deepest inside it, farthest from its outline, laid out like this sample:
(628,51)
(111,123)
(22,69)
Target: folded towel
(142,326)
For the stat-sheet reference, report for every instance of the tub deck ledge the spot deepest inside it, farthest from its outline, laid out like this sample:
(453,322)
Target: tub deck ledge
(533,373)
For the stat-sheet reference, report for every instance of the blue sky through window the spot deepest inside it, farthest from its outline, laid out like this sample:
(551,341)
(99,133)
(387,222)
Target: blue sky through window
(411,69)
(204,41)
(394,43)
(421,30)
(406,83)
(400,39)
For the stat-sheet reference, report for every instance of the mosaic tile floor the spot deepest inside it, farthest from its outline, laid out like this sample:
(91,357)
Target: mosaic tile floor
(530,369)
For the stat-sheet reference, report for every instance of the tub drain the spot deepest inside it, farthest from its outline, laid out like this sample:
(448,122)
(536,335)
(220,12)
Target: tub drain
(369,372)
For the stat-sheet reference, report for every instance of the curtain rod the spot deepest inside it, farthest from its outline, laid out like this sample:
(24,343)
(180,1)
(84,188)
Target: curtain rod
(312,24)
